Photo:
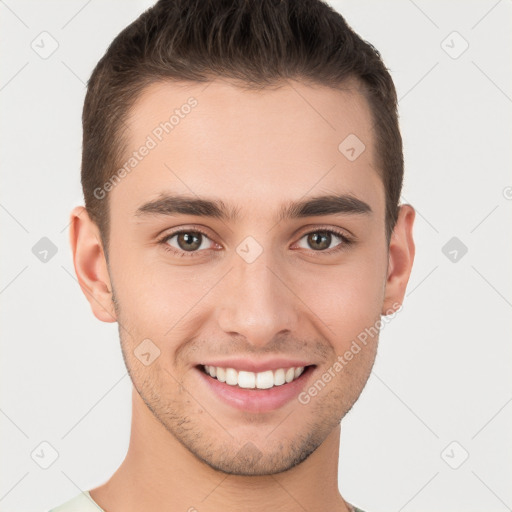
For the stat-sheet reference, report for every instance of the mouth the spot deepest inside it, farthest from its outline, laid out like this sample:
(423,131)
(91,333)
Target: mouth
(257,392)
(254,380)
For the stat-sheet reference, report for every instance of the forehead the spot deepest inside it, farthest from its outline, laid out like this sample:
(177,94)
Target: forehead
(248,147)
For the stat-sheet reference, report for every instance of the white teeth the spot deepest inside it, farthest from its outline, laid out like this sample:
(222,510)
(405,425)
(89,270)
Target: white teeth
(231,377)
(251,380)
(265,380)
(221,374)
(246,380)
(279,377)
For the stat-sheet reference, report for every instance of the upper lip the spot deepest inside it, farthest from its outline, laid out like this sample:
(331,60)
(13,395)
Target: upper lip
(252,365)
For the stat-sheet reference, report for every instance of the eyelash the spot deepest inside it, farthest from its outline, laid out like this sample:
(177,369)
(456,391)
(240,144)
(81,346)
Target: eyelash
(346,241)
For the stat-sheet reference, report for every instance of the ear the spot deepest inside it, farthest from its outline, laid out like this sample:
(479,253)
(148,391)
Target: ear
(90,264)
(401,257)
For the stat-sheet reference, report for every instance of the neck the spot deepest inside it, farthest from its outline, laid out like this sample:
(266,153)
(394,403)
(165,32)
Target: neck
(159,472)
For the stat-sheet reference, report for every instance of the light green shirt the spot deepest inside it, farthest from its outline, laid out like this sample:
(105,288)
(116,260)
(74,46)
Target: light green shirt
(84,503)
(81,503)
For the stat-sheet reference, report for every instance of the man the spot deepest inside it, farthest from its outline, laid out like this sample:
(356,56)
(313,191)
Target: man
(242,167)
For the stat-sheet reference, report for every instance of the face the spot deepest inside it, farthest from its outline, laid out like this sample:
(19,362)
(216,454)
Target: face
(247,282)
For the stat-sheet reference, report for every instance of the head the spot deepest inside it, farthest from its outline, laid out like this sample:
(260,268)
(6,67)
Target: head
(242,168)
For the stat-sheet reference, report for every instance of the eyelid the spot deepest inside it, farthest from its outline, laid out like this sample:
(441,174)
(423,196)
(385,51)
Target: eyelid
(333,229)
(185,229)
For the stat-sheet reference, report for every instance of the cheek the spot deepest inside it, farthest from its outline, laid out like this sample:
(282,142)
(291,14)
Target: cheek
(347,298)
(158,301)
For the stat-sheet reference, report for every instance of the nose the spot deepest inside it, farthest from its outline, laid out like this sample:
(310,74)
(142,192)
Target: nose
(255,301)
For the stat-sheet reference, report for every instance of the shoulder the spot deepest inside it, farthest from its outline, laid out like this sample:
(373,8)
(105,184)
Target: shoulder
(83,502)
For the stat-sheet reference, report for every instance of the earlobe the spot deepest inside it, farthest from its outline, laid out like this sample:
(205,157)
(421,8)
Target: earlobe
(90,264)
(401,258)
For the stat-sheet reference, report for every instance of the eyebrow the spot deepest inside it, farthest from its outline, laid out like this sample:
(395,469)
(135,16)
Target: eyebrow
(172,205)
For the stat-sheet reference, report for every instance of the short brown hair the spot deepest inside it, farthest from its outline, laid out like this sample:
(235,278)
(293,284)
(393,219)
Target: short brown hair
(255,42)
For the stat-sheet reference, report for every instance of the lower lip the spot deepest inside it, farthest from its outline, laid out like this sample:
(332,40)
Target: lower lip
(257,400)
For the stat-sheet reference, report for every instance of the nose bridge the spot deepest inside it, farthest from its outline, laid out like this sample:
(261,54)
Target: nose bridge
(254,302)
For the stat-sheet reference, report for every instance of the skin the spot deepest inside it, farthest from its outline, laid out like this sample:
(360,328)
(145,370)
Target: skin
(255,150)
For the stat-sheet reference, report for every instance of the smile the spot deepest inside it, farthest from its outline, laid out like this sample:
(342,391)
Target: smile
(252,380)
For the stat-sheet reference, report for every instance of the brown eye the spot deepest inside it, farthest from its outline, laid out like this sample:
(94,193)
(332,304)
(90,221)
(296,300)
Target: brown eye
(319,240)
(187,241)
(322,240)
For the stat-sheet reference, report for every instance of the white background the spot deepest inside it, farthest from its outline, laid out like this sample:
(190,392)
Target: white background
(443,369)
